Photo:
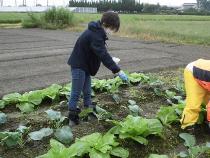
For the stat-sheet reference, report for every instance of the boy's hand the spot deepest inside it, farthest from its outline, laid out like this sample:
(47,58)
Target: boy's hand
(123,76)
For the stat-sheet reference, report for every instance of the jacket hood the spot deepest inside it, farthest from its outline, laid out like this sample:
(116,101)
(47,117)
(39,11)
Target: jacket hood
(96,27)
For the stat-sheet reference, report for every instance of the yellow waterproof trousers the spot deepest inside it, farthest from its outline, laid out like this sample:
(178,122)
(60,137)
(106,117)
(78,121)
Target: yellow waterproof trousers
(195,96)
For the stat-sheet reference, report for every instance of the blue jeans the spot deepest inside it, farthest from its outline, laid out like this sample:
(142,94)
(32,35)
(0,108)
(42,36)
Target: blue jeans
(81,82)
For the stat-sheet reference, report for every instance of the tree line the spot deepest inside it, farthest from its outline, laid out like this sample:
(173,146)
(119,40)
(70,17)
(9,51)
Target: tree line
(123,6)
(203,5)
(131,6)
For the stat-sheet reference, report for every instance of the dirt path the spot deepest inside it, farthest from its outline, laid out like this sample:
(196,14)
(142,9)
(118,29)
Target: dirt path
(32,58)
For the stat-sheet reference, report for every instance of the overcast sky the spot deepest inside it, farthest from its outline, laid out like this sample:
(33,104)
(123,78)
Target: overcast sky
(65,2)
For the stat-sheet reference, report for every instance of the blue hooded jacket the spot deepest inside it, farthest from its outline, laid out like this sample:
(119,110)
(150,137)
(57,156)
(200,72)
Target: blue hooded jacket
(90,50)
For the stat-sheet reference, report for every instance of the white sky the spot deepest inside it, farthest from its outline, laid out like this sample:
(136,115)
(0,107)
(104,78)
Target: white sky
(33,2)
(168,2)
(65,2)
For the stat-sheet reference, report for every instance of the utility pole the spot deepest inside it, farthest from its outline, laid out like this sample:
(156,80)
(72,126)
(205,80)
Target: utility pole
(16,3)
(1,3)
(47,3)
(24,2)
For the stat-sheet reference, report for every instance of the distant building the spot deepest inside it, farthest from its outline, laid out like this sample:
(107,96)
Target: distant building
(186,6)
(44,8)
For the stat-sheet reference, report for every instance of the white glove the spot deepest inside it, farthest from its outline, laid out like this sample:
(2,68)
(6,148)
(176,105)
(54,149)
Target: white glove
(116,60)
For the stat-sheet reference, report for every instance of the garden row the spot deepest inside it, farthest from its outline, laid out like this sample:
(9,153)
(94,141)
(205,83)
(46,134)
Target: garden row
(98,145)
(30,100)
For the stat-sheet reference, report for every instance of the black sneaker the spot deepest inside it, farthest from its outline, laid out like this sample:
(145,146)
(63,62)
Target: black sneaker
(207,126)
(74,117)
(207,123)
(190,129)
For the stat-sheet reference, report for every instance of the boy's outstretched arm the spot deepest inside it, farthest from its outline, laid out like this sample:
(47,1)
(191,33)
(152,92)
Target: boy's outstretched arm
(100,50)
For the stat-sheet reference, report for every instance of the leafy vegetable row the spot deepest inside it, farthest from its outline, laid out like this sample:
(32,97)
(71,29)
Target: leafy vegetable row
(97,145)
(28,101)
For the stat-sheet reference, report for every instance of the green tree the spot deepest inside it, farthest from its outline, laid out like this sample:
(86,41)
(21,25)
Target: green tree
(203,5)
(151,8)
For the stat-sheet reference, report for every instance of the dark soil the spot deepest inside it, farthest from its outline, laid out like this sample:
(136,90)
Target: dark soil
(171,144)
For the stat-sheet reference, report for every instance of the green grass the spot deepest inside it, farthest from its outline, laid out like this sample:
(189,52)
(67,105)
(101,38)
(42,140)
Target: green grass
(166,28)
(184,29)
(12,17)
(54,18)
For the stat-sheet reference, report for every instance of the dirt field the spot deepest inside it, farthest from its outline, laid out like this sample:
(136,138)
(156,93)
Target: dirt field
(32,58)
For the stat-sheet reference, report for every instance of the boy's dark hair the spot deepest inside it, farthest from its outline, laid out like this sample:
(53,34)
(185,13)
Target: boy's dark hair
(110,19)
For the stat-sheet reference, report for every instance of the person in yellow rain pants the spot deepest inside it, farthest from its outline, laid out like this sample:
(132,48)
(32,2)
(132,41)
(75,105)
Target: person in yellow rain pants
(197,85)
